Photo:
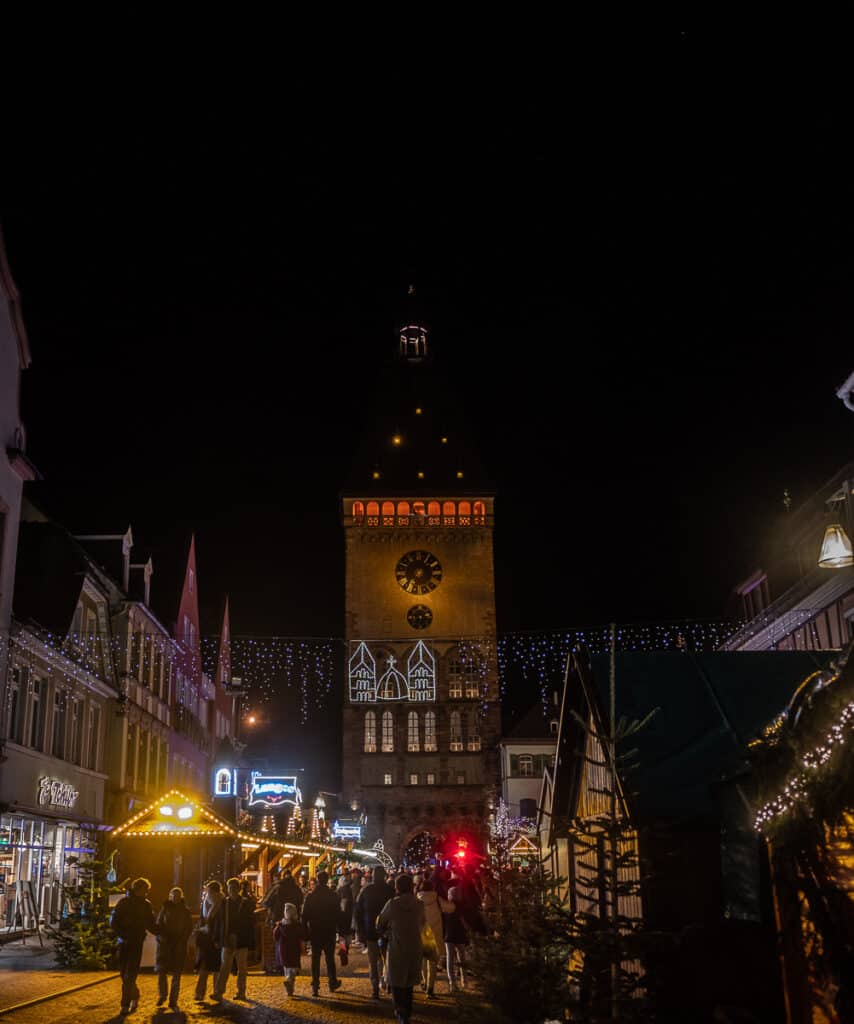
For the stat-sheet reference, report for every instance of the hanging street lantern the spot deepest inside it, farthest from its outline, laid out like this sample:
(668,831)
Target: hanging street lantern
(836,551)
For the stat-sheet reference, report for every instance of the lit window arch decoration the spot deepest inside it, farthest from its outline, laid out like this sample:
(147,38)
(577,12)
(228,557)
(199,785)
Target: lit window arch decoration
(388,513)
(362,671)
(403,513)
(222,782)
(479,513)
(392,684)
(373,513)
(449,513)
(464,513)
(421,671)
(419,510)
(433,508)
(358,511)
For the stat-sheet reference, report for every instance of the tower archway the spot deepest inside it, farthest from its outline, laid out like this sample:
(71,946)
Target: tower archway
(421,848)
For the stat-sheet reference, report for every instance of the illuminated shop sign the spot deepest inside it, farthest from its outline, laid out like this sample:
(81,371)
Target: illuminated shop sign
(274,790)
(340,831)
(225,782)
(56,793)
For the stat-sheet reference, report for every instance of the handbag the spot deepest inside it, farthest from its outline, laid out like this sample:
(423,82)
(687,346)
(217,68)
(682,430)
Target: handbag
(429,949)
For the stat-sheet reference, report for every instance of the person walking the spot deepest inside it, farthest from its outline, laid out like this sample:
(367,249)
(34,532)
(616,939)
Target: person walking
(132,917)
(371,901)
(174,923)
(238,937)
(456,938)
(403,917)
(283,891)
(320,917)
(345,917)
(434,907)
(288,937)
(209,938)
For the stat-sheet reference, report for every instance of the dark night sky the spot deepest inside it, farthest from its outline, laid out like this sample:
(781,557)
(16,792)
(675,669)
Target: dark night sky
(641,280)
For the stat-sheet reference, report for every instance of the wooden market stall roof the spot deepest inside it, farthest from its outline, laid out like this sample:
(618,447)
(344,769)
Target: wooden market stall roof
(174,814)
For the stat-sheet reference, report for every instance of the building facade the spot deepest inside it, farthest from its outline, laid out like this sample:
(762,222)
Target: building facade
(527,752)
(421,716)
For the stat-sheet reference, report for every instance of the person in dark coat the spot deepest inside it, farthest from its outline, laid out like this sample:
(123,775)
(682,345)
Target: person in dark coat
(404,919)
(456,938)
(238,937)
(368,906)
(288,937)
(345,917)
(132,917)
(320,917)
(175,923)
(284,891)
(209,937)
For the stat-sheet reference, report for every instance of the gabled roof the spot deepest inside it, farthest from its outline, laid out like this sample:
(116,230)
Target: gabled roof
(196,820)
(709,706)
(534,724)
(51,568)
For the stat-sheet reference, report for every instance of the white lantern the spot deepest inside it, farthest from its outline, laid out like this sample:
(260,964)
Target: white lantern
(836,552)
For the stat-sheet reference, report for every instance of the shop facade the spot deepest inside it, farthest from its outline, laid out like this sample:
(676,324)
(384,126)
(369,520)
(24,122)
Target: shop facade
(52,817)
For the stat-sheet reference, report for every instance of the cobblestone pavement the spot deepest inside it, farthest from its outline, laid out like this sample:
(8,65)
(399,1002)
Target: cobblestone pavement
(268,1003)
(28,971)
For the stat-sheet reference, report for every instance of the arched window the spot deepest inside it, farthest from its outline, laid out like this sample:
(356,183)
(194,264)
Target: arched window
(456,731)
(449,513)
(473,739)
(433,513)
(388,732)
(479,512)
(527,808)
(388,513)
(526,765)
(412,741)
(466,672)
(370,732)
(403,513)
(373,513)
(223,782)
(464,512)
(430,731)
(358,511)
(418,508)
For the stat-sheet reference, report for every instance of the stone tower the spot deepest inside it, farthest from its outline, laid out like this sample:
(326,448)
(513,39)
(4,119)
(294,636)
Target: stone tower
(421,702)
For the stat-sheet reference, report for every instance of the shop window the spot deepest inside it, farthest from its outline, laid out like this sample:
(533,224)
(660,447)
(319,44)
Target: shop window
(456,731)
(413,744)
(370,732)
(430,731)
(388,732)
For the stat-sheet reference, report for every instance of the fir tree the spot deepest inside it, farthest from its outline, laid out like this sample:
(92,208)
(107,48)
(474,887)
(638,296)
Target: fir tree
(84,939)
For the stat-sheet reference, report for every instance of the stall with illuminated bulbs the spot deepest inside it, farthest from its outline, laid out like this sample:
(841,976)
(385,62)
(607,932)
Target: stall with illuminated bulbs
(178,840)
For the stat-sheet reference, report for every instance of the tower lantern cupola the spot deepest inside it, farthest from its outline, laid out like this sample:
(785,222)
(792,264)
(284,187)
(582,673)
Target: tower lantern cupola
(413,331)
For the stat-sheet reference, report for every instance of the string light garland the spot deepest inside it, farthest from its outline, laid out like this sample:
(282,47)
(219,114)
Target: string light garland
(797,786)
(308,669)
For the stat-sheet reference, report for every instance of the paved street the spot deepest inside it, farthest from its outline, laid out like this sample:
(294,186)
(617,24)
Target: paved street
(268,1002)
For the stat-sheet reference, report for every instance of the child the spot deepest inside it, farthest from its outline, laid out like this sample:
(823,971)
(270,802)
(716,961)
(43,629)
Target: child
(288,936)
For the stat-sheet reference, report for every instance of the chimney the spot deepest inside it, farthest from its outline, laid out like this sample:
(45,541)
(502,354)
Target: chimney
(127,544)
(147,573)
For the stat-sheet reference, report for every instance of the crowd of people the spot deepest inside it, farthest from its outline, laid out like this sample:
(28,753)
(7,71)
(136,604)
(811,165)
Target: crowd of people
(410,925)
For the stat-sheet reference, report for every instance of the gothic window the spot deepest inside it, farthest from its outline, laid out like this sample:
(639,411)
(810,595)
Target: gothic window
(449,513)
(370,732)
(373,513)
(223,782)
(479,512)
(358,512)
(433,513)
(464,512)
(413,744)
(473,740)
(456,731)
(388,513)
(388,732)
(430,731)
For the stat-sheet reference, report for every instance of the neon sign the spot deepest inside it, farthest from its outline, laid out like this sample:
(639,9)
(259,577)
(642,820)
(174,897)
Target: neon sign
(340,831)
(418,684)
(274,790)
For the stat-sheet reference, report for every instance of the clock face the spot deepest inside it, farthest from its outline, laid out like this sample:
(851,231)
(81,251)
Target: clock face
(418,572)
(419,616)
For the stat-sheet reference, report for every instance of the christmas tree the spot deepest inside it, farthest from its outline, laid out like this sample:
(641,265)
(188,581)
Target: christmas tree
(84,939)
